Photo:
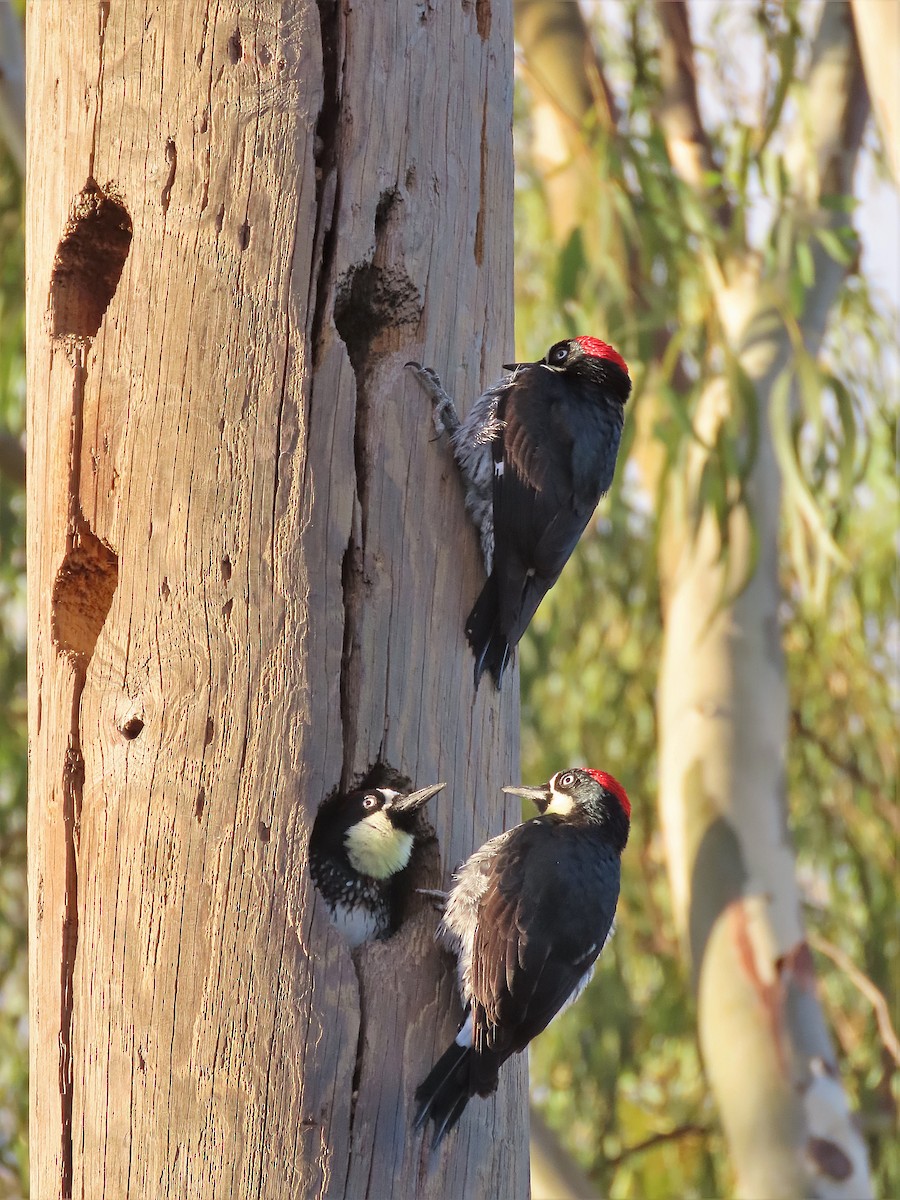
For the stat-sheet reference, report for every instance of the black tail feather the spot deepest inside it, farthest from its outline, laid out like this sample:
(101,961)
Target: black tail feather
(488,642)
(445,1092)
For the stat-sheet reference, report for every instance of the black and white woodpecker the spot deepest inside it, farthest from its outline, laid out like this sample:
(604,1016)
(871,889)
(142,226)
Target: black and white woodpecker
(527,916)
(359,848)
(536,452)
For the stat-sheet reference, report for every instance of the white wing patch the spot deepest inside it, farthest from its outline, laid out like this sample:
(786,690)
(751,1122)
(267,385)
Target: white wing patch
(464,1037)
(578,989)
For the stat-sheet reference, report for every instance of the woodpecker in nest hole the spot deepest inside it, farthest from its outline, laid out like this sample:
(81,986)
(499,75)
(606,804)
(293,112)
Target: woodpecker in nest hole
(359,849)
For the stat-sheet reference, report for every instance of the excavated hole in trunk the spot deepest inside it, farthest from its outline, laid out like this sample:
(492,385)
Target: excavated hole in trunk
(89,262)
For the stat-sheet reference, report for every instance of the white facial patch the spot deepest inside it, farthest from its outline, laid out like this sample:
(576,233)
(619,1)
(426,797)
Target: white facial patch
(376,848)
(560,803)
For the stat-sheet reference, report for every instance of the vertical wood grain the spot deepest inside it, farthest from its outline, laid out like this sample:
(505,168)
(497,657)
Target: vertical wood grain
(249,568)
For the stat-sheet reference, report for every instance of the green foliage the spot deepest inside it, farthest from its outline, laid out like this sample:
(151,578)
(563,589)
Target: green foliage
(842,653)
(13,732)
(622,1066)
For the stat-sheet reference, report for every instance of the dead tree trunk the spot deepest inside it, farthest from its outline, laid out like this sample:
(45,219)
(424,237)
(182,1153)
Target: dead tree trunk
(248,571)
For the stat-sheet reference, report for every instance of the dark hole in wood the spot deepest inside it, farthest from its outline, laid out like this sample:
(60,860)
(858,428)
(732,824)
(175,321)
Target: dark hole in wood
(371,299)
(132,728)
(89,262)
(82,594)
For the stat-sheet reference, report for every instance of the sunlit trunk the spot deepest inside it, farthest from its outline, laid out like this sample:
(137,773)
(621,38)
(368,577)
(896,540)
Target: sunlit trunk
(248,572)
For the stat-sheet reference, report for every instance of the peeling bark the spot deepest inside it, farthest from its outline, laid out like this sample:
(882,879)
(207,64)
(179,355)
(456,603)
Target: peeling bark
(240,589)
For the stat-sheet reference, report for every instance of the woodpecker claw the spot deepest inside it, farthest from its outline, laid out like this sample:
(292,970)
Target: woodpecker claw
(435,894)
(443,410)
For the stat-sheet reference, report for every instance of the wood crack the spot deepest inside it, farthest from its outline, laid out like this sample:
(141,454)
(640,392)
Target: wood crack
(327,182)
(72,793)
(103,18)
(86,272)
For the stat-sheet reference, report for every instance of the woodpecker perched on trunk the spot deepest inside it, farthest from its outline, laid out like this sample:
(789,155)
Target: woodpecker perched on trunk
(536,453)
(358,850)
(526,918)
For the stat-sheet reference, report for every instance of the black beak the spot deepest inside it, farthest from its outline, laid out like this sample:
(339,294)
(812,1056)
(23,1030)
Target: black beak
(540,796)
(415,800)
(515,366)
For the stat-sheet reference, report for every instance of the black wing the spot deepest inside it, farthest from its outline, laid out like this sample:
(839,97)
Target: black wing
(534,492)
(552,465)
(553,462)
(543,919)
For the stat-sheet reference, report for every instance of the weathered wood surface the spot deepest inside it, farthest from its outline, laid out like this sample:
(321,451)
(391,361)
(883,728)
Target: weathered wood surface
(249,567)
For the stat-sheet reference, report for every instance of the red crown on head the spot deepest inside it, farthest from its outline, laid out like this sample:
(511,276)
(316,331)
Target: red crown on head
(598,349)
(611,785)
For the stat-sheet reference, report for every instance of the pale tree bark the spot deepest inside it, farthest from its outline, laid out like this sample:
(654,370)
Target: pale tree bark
(877,25)
(723,699)
(248,572)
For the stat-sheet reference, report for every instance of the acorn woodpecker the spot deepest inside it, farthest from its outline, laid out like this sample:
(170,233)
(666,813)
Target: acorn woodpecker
(526,918)
(536,452)
(358,850)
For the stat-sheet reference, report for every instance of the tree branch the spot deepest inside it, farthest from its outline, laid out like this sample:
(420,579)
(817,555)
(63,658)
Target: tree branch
(690,151)
(12,84)
(827,134)
(823,150)
(570,98)
(563,62)
(878,33)
(863,984)
(672,1135)
(723,695)
(847,766)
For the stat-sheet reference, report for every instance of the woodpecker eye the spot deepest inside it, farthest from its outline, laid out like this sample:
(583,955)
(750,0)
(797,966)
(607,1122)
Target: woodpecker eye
(370,802)
(566,781)
(558,353)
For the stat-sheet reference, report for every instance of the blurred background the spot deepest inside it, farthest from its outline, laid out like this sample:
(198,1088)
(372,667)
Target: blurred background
(684,173)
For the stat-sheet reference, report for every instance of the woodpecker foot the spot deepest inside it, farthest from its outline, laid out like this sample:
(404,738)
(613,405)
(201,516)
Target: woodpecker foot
(444,414)
(438,898)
